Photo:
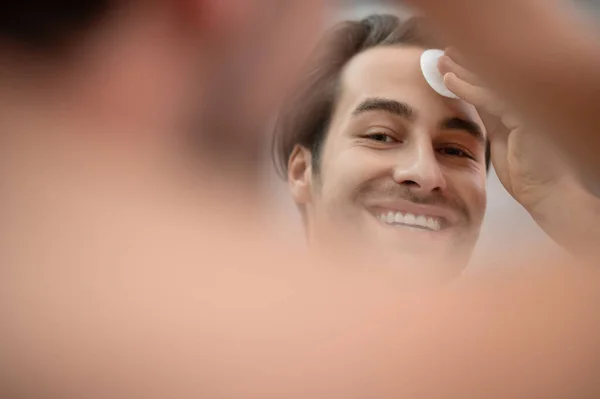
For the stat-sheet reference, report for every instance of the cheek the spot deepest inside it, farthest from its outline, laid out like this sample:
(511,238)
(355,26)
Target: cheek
(471,188)
(345,172)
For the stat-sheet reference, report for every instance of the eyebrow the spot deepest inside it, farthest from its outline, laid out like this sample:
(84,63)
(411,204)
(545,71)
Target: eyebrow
(406,111)
(386,105)
(465,125)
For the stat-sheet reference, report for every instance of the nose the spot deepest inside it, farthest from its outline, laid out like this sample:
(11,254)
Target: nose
(419,168)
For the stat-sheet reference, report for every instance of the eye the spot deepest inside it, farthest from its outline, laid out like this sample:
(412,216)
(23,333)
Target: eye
(455,152)
(381,137)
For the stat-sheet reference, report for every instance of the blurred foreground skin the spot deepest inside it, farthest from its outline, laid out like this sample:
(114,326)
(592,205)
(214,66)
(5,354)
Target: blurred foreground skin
(549,71)
(176,316)
(115,286)
(130,87)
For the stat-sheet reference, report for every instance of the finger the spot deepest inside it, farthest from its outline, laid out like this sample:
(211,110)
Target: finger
(448,65)
(511,121)
(456,55)
(459,58)
(474,95)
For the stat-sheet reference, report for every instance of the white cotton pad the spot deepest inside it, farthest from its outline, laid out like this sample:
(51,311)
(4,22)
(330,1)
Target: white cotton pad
(429,67)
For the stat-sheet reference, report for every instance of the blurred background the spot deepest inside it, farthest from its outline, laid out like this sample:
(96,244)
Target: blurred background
(507,228)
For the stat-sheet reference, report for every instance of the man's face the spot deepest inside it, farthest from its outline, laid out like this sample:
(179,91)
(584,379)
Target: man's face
(402,171)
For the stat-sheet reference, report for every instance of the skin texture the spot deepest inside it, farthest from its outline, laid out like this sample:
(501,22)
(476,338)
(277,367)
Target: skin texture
(376,159)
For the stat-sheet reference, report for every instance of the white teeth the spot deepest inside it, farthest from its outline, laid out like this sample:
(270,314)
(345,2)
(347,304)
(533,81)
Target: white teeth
(421,221)
(410,219)
(391,217)
(399,218)
(433,224)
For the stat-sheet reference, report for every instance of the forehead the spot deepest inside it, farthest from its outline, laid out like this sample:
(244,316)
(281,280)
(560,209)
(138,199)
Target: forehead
(394,72)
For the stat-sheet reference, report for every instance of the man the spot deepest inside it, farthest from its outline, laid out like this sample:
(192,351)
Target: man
(114,286)
(372,153)
(370,150)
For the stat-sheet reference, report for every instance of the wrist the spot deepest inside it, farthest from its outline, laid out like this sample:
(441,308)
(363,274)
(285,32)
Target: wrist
(570,216)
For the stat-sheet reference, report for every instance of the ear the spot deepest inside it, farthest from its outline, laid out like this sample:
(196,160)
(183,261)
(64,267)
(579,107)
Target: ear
(300,175)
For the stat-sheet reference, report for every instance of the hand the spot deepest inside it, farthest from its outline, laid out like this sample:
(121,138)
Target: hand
(551,73)
(528,166)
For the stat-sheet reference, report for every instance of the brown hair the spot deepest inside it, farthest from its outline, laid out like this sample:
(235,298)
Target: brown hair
(305,118)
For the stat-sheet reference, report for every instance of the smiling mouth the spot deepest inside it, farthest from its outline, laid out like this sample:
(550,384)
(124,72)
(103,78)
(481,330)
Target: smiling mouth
(411,220)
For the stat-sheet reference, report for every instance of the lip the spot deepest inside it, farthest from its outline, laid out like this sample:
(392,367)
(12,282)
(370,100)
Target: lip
(449,216)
